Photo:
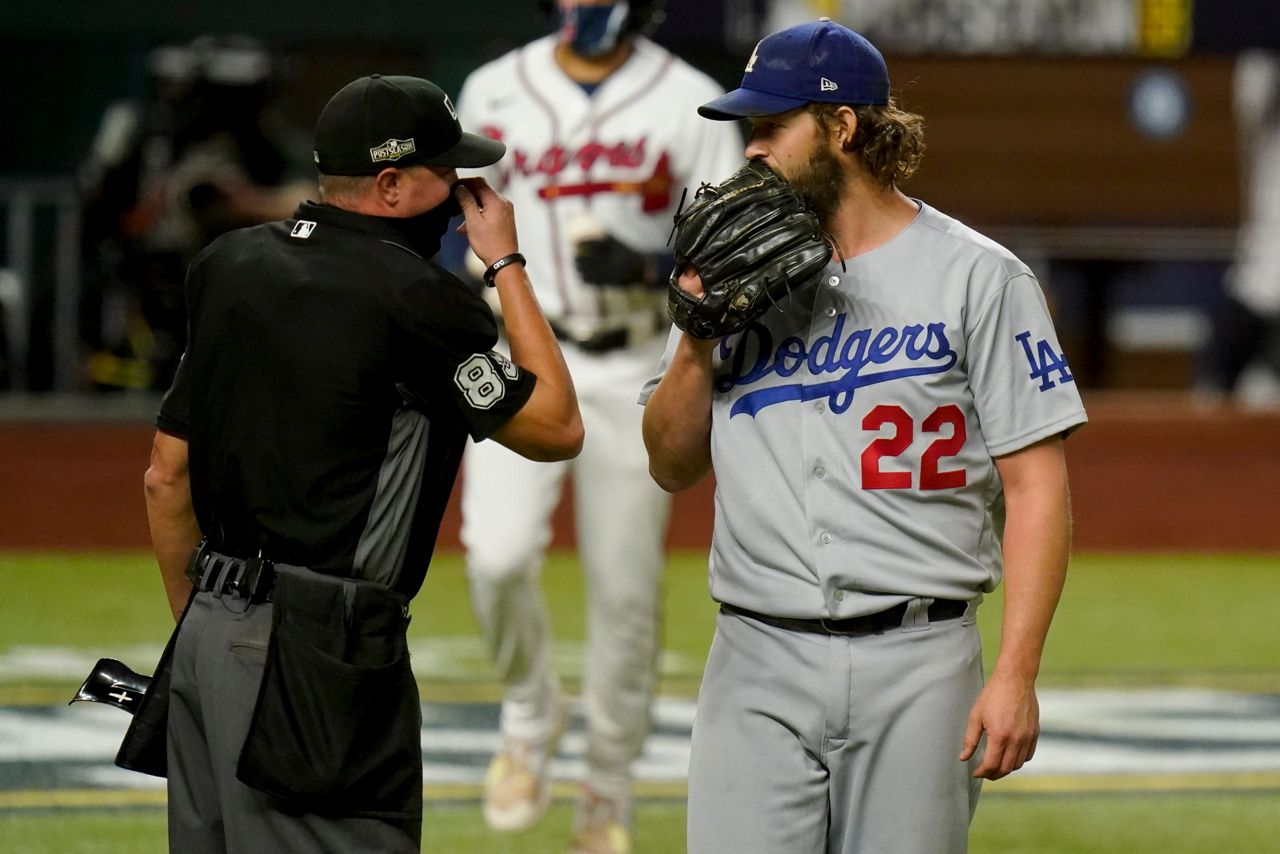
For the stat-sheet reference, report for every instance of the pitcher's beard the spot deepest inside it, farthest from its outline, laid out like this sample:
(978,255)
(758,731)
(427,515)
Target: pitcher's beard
(820,181)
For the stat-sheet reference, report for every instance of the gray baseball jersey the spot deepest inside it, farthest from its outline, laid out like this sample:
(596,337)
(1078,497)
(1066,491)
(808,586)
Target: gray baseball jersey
(854,427)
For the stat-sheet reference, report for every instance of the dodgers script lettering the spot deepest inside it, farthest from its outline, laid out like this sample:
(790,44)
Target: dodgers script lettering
(924,347)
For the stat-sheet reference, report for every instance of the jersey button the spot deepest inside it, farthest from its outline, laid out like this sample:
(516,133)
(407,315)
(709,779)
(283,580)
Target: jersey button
(826,538)
(820,406)
(819,472)
(831,311)
(839,596)
(833,281)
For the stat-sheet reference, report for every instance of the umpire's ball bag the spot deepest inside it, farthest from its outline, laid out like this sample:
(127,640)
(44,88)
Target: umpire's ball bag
(144,745)
(337,725)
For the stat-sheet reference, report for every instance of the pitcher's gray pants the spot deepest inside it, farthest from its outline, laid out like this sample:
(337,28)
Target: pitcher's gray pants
(808,743)
(217,666)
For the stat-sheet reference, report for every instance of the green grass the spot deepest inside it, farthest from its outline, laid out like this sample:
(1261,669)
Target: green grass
(1128,824)
(451,828)
(1155,619)
(1124,620)
(81,600)
(88,599)
(659,828)
(88,832)
(1132,824)
(1162,619)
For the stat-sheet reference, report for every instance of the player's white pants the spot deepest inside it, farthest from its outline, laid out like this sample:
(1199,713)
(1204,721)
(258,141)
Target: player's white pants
(621,517)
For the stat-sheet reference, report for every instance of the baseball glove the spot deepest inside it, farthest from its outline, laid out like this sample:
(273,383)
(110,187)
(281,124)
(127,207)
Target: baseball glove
(752,239)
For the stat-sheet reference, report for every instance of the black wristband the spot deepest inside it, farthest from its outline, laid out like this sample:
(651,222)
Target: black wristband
(492,270)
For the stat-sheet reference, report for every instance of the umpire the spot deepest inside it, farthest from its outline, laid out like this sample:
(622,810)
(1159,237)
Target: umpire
(300,471)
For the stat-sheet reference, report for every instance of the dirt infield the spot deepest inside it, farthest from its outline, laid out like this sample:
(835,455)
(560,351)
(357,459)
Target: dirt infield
(1146,473)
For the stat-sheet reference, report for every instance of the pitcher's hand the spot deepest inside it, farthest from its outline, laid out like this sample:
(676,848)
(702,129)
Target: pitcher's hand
(1009,713)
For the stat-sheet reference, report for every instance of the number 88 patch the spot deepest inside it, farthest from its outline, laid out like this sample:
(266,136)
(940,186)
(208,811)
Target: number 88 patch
(481,382)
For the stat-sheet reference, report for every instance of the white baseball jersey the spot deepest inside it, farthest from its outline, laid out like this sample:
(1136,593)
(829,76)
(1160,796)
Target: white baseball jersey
(1255,278)
(613,162)
(578,166)
(853,428)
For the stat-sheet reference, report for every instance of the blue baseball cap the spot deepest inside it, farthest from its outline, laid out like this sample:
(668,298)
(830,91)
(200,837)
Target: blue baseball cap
(819,61)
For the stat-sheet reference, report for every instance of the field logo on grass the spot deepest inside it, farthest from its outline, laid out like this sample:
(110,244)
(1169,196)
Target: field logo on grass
(1091,739)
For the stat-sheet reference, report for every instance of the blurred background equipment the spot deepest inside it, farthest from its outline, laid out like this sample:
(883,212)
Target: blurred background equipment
(165,176)
(979,27)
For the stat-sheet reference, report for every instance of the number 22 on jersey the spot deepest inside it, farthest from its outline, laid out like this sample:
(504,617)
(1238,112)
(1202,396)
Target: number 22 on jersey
(948,421)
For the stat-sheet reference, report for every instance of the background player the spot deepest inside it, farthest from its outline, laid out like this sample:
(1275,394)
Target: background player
(884,446)
(1245,356)
(595,169)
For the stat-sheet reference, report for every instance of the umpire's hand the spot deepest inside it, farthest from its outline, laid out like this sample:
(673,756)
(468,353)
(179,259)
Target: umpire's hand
(488,220)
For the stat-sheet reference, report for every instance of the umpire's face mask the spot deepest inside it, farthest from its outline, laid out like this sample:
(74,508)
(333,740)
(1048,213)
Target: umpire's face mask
(593,30)
(426,230)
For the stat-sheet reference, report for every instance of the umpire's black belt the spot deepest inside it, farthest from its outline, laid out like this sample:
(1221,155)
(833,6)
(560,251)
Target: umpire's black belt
(251,579)
(868,624)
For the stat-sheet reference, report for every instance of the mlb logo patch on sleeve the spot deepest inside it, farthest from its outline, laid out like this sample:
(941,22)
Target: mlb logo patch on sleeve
(302,229)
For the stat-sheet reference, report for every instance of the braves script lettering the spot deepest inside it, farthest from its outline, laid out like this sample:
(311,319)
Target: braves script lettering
(926,348)
(555,159)
(554,162)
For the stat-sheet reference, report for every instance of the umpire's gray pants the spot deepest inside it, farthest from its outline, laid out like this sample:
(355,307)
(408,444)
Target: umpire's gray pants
(217,666)
(808,743)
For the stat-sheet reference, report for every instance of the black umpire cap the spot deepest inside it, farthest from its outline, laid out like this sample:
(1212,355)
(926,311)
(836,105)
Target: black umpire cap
(377,121)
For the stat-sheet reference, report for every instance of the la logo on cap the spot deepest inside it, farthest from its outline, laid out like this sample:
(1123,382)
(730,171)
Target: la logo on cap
(392,149)
(751,63)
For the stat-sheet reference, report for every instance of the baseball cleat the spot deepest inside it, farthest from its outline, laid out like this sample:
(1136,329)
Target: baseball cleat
(517,786)
(603,825)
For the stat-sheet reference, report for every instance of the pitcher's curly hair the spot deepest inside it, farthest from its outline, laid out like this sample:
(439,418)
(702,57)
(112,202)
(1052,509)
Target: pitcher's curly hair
(889,140)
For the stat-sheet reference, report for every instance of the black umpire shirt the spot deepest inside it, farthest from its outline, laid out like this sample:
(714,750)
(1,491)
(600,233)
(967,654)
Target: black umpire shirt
(331,377)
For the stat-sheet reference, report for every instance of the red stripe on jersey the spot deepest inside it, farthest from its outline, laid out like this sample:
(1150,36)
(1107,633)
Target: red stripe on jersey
(553,224)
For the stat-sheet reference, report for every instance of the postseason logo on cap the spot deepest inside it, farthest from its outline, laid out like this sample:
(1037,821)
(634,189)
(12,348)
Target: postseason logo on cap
(378,122)
(392,149)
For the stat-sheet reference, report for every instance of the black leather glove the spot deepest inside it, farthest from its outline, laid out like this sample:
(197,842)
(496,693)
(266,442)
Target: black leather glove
(753,240)
(607,261)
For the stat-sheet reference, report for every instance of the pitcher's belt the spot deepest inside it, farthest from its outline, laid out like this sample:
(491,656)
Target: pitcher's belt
(868,624)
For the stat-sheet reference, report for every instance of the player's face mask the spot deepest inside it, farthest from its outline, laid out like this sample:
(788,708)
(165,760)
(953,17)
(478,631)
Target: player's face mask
(426,230)
(593,30)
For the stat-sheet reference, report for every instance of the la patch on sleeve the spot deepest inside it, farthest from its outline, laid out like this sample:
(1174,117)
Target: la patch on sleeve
(1045,362)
